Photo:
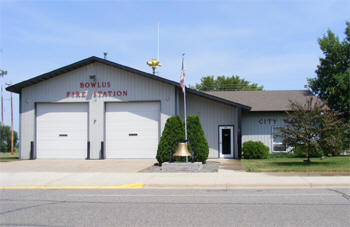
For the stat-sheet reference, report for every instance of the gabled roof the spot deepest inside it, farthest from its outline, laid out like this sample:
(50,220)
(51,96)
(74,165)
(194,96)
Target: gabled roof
(17,88)
(266,100)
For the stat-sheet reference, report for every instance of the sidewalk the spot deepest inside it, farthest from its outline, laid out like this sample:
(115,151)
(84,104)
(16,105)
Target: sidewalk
(223,179)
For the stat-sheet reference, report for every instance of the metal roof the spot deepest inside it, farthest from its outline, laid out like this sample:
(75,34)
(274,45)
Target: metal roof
(17,88)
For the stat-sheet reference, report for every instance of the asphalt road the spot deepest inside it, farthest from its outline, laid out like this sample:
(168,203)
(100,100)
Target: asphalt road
(297,207)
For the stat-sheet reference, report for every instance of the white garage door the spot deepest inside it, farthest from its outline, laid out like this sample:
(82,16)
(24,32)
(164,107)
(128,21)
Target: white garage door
(62,130)
(132,130)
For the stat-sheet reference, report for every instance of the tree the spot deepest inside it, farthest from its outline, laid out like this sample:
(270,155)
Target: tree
(174,130)
(5,138)
(197,138)
(222,83)
(332,83)
(332,136)
(313,127)
(3,72)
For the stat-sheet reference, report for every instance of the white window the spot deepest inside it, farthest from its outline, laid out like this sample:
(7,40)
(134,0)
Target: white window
(277,140)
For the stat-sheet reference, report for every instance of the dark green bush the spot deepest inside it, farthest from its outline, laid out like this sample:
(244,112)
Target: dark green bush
(301,152)
(197,138)
(173,130)
(255,150)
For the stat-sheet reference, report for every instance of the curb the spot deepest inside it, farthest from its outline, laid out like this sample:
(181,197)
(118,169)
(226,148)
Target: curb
(241,186)
(124,186)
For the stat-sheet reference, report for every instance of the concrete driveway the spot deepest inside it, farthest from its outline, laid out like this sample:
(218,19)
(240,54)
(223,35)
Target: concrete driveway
(77,166)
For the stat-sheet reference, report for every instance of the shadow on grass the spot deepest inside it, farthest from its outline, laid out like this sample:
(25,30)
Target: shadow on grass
(301,163)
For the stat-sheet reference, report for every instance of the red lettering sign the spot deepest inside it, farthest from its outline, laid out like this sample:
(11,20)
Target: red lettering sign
(96,93)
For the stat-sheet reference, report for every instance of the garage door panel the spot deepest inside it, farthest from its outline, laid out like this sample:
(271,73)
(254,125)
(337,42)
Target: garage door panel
(62,130)
(135,118)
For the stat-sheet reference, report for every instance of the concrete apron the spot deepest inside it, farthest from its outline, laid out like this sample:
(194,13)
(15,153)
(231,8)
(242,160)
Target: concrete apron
(77,166)
(104,173)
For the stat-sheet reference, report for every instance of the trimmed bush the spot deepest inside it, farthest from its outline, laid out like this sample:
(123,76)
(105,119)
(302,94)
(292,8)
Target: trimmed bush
(255,150)
(173,130)
(301,152)
(196,136)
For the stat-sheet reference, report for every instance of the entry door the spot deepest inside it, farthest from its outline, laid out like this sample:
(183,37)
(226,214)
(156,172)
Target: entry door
(132,129)
(61,130)
(226,141)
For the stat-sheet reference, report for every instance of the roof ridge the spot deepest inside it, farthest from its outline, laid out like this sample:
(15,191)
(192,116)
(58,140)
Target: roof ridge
(261,91)
(17,88)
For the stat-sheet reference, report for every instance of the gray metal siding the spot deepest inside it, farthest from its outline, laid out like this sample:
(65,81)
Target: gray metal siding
(54,90)
(211,114)
(257,126)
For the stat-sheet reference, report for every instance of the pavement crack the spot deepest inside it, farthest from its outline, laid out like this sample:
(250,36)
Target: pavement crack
(59,178)
(28,225)
(27,207)
(306,181)
(344,195)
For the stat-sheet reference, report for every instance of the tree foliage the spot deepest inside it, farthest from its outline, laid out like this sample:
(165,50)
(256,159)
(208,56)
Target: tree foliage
(222,83)
(197,138)
(3,72)
(314,127)
(333,133)
(332,83)
(5,139)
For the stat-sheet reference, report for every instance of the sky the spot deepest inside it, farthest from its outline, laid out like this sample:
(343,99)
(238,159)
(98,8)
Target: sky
(272,43)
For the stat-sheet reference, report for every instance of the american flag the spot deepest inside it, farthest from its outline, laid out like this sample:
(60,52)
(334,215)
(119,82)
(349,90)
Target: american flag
(182,76)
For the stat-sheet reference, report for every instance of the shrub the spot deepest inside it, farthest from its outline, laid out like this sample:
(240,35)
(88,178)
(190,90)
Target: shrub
(301,152)
(173,130)
(5,139)
(197,138)
(255,150)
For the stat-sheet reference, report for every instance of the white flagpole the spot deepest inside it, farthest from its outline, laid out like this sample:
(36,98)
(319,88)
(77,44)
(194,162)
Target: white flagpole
(2,109)
(185,113)
(184,91)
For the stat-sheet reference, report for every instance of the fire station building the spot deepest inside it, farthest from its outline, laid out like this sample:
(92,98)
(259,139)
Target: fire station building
(97,107)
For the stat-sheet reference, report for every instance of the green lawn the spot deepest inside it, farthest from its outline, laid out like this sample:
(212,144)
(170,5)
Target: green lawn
(337,165)
(7,157)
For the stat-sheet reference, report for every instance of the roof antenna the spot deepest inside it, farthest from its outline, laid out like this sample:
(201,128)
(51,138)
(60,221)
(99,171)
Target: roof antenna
(105,55)
(154,63)
(158,44)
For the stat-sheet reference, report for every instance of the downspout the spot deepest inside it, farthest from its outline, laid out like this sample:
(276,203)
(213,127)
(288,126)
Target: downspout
(239,132)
